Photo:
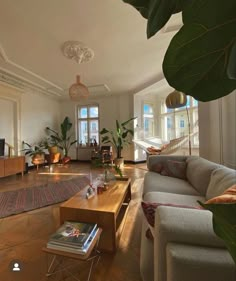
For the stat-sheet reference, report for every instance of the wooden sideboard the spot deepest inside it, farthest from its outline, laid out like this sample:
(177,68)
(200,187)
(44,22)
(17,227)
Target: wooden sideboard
(12,165)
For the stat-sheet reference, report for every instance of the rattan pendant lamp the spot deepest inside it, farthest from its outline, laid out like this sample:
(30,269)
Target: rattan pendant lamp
(78,91)
(178,99)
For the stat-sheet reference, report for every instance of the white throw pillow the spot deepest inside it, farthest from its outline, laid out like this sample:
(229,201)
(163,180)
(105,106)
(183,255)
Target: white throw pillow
(221,179)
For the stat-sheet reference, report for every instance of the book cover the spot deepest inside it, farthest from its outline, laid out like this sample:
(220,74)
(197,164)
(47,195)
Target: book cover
(73,233)
(71,249)
(75,245)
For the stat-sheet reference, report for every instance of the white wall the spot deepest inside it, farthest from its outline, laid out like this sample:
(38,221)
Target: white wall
(28,114)
(217,130)
(111,108)
(7,121)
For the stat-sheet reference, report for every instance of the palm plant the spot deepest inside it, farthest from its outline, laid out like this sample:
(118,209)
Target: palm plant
(119,137)
(62,139)
(33,149)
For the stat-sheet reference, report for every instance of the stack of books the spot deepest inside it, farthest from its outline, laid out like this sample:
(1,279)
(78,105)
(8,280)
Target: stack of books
(73,237)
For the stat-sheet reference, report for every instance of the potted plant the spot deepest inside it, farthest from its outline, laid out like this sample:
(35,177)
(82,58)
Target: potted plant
(36,151)
(51,145)
(118,138)
(62,139)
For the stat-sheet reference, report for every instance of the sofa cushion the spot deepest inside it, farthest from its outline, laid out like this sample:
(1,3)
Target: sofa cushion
(229,196)
(176,169)
(149,209)
(199,172)
(156,182)
(221,179)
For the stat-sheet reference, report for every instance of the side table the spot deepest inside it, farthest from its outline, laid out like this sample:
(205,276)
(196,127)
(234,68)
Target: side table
(58,257)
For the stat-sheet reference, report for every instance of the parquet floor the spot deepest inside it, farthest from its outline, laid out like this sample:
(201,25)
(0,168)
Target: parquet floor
(24,235)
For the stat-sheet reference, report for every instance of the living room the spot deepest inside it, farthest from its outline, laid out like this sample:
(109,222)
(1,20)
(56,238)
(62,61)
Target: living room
(124,74)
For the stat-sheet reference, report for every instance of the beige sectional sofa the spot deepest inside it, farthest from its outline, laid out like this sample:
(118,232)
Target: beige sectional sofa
(184,246)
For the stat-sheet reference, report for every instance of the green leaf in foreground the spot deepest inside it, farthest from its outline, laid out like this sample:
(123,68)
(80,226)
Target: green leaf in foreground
(197,58)
(232,63)
(224,224)
(157,12)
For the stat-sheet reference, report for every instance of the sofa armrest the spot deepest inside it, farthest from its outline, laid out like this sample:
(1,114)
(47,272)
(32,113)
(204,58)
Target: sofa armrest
(154,160)
(184,226)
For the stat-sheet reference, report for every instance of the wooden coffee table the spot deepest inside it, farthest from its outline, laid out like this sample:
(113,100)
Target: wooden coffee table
(108,210)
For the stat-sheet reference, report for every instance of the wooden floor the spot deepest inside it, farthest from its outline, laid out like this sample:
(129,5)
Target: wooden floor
(24,235)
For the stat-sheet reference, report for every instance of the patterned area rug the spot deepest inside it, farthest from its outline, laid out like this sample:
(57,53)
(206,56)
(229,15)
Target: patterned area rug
(27,199)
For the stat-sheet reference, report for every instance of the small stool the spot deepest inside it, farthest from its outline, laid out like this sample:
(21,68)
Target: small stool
(59,256)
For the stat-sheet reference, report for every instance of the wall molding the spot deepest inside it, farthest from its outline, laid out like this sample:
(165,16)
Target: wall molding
(12,94)
(19,81)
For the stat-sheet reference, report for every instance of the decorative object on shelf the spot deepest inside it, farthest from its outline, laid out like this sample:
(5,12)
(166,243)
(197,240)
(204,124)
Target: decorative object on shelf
(63,139)
(118,138)
(77,51)
(90,191)
(78,90)
(178,99)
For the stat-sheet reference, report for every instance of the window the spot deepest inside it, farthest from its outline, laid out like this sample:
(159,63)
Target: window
(181,123)
(148,120)
(174,122)
(88,124)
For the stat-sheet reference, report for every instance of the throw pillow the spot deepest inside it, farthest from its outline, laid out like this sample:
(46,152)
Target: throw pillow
(229,196)
(221,179)
(149,235)
(176,169)
(157,168)
(149,209)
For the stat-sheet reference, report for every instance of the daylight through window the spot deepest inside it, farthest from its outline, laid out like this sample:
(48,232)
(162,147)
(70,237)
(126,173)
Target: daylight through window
(88,124)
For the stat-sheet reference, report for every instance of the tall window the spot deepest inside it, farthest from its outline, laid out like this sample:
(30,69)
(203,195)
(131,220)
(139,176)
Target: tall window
(88,124)
(148,120)
(174,122)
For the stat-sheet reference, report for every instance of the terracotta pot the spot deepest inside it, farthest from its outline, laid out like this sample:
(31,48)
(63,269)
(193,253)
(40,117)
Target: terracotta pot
(65,159)
(53,149)
(38,158)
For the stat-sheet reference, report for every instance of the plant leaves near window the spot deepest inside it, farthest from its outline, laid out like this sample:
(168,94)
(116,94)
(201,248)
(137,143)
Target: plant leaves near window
(224,223)
(232,65)
(200,60)
(157,12)
(197,58)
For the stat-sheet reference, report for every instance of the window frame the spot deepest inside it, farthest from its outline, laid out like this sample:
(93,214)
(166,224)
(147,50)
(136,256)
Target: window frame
(192,105)
(88,119)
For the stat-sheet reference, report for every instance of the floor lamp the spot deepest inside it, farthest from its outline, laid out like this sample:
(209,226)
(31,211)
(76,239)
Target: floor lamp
(178,99)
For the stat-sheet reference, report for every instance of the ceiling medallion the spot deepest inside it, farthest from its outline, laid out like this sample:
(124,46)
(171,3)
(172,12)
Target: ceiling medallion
(77,51)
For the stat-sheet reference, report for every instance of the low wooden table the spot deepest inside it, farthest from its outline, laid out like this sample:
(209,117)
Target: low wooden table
(108,210)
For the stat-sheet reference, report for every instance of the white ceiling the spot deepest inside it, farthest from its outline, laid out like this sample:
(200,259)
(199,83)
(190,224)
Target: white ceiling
(32,33)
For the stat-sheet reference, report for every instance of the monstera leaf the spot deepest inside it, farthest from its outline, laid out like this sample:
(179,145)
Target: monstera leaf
(224,224)
(200,60)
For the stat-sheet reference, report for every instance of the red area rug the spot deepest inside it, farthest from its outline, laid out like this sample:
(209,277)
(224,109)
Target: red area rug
(27,199)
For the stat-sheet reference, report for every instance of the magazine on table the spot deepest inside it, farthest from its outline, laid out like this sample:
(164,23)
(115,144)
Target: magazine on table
(74,250)
(75,245)
(73,233)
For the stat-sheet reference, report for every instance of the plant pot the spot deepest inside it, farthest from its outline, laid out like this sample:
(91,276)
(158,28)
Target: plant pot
(65,160)
(38,158)
(53,149)
(119,162)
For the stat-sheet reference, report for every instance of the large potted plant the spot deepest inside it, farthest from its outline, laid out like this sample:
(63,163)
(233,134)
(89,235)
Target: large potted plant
(119,137)
(63,139)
